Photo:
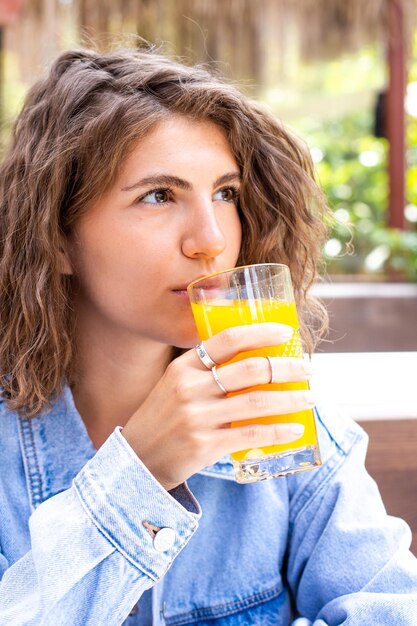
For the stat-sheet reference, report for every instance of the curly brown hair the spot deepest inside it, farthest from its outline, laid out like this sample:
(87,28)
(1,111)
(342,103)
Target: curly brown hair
(75,129)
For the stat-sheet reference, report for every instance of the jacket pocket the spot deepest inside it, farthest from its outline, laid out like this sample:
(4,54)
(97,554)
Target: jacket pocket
(269,607)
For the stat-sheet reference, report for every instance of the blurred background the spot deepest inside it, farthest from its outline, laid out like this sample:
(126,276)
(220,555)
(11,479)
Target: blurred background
(335,71)
(343,75)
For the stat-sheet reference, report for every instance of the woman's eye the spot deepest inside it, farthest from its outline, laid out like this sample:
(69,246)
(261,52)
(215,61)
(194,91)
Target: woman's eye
(158,196)
(227,194)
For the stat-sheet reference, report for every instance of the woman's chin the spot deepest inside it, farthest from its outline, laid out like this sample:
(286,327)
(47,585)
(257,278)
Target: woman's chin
(186,344)
(186,341)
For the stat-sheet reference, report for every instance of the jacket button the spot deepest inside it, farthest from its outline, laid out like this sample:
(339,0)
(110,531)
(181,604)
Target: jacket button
(164,539)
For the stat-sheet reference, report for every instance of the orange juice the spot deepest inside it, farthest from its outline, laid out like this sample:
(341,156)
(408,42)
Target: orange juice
(211,318)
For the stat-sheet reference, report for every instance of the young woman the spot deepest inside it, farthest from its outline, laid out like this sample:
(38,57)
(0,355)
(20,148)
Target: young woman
(130,175)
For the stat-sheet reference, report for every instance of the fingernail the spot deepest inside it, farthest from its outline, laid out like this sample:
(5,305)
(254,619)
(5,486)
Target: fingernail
(286,332)
(296,429)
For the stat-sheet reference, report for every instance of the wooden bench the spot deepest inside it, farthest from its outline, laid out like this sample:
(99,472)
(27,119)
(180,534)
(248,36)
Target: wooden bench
(369,316)
(392,462)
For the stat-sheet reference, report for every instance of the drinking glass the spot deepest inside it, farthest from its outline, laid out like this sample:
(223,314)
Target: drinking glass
(250,295)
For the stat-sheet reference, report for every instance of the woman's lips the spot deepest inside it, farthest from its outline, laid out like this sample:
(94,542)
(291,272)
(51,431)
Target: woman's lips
(215,282)
(181,293)
(209,284)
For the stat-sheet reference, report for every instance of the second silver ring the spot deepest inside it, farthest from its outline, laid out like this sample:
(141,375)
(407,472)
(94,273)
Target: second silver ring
(271,365)
(217,380)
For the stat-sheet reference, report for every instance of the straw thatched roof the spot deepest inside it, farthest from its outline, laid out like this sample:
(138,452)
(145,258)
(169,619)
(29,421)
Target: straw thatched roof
(325,28)
(246,35)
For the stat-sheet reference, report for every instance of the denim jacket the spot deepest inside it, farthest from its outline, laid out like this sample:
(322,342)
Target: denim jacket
(83,533)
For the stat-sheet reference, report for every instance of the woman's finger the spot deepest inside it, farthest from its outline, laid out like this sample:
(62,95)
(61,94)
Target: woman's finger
(252,404)
(229,342)
(260,371)
(258,436)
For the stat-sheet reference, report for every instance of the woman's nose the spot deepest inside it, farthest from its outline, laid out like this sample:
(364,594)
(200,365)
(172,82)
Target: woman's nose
(203,237)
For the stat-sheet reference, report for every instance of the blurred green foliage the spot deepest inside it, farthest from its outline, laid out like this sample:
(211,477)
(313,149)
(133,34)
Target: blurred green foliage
(351,166)
(331,105)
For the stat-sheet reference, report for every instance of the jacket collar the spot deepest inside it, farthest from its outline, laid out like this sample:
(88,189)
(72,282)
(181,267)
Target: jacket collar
(55,446)
(222,469)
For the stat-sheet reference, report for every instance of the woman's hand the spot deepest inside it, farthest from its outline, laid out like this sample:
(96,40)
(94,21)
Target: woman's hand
(183,425)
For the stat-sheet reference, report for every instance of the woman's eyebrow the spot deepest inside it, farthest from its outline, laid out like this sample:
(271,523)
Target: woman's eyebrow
(174,181)
(227,178)
(162,180)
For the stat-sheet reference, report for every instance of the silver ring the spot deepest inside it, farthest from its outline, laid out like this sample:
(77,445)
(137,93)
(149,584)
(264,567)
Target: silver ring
(217,379)
(204,357)
(271,365)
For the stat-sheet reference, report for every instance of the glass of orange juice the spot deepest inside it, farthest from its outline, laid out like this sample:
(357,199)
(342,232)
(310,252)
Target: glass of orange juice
(250,295)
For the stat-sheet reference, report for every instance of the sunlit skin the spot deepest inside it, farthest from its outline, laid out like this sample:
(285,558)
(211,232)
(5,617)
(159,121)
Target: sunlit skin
(170,217)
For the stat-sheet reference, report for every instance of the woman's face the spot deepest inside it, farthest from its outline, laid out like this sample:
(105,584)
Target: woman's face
(170,217)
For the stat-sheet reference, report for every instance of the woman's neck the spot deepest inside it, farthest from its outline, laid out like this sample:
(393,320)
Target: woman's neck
(113,380)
